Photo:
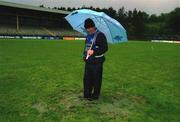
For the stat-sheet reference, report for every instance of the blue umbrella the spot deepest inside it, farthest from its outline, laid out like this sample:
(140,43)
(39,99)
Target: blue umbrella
(113,30)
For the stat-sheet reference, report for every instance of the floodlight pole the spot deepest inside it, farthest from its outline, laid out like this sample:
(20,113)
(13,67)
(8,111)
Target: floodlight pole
(17,23)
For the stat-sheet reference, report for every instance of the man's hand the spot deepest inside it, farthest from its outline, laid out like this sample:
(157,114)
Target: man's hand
(90,52)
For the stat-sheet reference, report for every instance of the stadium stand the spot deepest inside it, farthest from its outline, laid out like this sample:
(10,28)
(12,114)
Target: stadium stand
(20,19)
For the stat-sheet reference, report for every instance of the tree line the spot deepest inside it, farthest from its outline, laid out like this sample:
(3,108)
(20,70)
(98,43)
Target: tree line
(139,23)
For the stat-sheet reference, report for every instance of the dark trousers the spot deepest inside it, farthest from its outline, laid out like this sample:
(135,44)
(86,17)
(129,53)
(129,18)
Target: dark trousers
(92,80)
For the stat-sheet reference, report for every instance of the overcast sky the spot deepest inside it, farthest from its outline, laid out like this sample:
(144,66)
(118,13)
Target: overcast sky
(149,6)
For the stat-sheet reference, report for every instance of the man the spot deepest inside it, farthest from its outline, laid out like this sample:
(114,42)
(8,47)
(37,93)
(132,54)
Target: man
(95,47)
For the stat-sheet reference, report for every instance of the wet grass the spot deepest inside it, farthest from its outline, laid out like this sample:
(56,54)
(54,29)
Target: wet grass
(41,80)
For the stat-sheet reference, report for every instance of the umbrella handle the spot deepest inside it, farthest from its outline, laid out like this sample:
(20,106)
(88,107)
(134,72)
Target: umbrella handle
(87,57)
(90,49)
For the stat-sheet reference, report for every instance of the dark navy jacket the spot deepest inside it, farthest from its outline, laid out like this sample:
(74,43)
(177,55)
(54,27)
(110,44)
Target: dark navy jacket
(99,47)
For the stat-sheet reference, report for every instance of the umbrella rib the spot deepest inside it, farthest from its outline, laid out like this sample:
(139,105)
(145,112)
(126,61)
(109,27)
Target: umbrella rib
(82,23)
(114,23)
(105,25)
(98,20)
(109,29)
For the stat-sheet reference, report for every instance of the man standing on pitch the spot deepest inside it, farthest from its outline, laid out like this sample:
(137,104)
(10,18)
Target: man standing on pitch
(95,47)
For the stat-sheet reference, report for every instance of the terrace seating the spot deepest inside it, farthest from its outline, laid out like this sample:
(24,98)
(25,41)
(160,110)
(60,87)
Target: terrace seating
(28,30)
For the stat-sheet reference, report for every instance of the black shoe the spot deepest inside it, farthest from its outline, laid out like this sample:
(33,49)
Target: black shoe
(85,98)
(80,97)
(94,98)
(89,98)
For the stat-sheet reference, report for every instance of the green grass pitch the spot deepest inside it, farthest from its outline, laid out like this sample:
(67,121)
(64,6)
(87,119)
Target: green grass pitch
(40,80)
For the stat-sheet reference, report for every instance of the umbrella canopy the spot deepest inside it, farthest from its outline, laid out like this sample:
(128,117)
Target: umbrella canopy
(112,29)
